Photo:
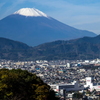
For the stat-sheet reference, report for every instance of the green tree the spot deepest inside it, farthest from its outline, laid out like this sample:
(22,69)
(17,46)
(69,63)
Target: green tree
(22,85)
(77,95)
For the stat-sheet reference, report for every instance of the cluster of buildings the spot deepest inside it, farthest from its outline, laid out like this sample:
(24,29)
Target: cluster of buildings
(62,74)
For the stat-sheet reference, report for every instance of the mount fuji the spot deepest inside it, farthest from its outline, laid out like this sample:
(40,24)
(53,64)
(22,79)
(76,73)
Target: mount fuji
(34,27)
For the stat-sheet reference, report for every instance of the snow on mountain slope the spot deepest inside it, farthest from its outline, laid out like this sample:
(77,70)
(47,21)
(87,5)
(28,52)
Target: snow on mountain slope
(30,12)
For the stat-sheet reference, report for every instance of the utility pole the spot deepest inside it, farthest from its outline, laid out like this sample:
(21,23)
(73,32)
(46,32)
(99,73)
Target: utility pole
(64,94)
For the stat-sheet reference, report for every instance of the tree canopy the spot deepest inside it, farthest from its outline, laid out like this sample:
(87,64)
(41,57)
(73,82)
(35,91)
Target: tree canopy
(23,85)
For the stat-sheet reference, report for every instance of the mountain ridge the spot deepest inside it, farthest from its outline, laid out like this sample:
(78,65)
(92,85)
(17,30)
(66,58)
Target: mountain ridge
(13,50)
(77,49)
(37,30)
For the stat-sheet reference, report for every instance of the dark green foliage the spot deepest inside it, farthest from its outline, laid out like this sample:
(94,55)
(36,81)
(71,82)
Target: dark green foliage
(82,48)
(77,95)
(22,85)
(13,50)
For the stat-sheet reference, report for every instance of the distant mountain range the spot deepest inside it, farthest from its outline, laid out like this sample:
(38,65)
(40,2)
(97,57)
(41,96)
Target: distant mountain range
(13,50)
(81,48)
(33,27)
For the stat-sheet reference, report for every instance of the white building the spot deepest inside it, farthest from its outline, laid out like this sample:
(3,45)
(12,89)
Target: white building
(68,65)
(92,85)
(68,87)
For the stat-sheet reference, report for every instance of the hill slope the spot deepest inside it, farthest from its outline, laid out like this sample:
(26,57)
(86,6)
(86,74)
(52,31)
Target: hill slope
(34,27)
(13,50)
(82,48)
(22,85)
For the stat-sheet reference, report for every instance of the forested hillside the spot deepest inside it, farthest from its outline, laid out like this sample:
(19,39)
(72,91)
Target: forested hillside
(22,85)
(81,48)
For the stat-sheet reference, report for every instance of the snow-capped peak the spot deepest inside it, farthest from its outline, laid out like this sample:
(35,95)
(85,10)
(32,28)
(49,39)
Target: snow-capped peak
(30,12)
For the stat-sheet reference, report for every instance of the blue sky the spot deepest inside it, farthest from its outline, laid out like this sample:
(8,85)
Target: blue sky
(81,14)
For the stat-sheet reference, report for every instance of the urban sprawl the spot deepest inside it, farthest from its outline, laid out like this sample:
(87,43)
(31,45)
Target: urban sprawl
(59,71)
